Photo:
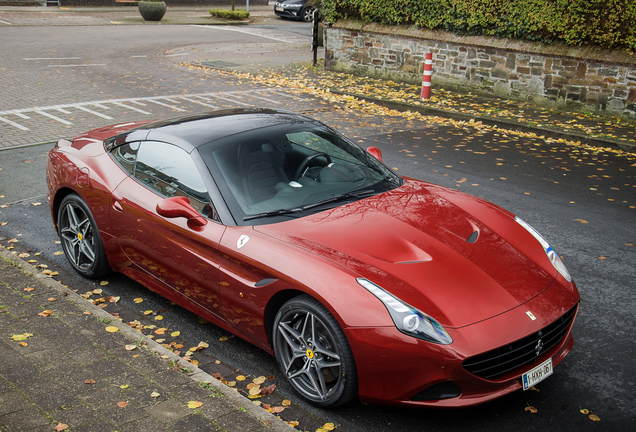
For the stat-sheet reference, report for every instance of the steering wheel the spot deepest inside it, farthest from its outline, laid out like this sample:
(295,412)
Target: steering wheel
(305,163)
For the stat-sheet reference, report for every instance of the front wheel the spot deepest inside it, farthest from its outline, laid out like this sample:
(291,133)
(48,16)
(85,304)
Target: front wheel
(80,238)
(307,14)
(314,353)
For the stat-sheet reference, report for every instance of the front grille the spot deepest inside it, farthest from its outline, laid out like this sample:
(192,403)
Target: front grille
(495,363)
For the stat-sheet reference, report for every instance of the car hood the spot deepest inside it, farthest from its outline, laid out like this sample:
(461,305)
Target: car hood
(420,243)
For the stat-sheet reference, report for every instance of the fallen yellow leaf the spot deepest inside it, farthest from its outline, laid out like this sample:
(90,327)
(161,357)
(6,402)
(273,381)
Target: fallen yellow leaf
(194,404)
(112,329)
(138,300)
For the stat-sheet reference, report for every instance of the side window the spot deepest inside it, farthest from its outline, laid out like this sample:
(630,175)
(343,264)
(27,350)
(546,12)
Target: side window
(170,171)
(126,155)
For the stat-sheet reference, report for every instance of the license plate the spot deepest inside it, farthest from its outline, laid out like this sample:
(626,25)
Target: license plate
(279,9)
(537,374)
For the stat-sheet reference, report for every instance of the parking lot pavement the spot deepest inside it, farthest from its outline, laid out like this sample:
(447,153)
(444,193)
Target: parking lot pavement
(24,126)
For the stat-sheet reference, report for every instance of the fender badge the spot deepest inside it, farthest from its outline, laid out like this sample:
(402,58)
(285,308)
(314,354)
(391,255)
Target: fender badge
(242,241)
(530,314)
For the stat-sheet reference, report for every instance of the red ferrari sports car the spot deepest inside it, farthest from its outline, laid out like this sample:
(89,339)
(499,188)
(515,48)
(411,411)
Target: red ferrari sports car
(277,228)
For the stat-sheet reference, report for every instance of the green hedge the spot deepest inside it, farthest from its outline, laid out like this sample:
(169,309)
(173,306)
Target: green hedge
(229,14)
(608,23)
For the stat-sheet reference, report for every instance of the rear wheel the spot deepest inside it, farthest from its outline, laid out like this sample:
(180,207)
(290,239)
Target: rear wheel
(314,353)
(80,238)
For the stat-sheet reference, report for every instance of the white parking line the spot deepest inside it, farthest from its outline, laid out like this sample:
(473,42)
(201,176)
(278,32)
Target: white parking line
(19,114)
(98,114)
(251,33)
(230,100)
(168,101)
(266,99)
(165,104)
(50,58)
(51,116)
(132,108)
(14,124)
(78,65)
(200,103)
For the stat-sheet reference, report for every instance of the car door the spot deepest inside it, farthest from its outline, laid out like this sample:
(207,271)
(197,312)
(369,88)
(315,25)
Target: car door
(184,259)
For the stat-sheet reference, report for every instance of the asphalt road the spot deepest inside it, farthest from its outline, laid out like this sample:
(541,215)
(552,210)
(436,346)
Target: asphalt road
(582,202)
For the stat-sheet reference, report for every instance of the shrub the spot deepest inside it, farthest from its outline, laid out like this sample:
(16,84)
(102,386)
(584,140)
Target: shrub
(608,23)
(230,14)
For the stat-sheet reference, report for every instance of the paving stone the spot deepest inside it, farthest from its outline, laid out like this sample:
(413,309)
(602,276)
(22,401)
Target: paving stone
(77,415)
(12,402)
(238,422)
(143,395)
(168,411)
(128,378)
(107,367)
(102,397)
(24,309)
(25,420)
(122,415)
(194,423)
(217,407)
(149,364)
(5,387)
(147,424)
(34,387)
(54,401)
(169,378)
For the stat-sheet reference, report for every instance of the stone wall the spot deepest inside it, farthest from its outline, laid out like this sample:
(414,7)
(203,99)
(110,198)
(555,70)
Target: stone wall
(582,77)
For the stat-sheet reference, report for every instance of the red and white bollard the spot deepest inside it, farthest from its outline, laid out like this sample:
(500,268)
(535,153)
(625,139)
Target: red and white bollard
(426,79)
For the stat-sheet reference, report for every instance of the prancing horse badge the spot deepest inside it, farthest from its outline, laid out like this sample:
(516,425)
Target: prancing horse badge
(242,241)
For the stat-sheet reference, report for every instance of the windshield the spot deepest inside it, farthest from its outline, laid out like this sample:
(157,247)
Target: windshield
(289,169)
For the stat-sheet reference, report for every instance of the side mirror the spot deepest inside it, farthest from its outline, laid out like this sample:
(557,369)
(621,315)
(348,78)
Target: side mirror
(375,152)
(179,206)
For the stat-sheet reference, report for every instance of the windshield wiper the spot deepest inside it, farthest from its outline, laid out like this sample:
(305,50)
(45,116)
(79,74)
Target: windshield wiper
(355,194)
(272,213)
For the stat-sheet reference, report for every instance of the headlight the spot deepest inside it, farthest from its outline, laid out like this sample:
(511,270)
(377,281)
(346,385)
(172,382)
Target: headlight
(407,319)
(554,257)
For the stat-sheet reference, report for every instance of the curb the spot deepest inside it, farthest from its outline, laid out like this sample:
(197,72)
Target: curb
(274,423)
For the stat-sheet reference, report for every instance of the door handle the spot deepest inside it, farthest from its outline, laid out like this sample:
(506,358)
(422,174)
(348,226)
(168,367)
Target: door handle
(117,206)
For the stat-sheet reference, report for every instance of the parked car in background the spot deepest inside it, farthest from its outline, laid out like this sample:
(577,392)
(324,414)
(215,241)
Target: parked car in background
(295,9)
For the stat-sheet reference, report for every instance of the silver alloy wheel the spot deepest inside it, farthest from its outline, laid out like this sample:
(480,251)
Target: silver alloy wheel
(309,355)
(307,14)
(76,233)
